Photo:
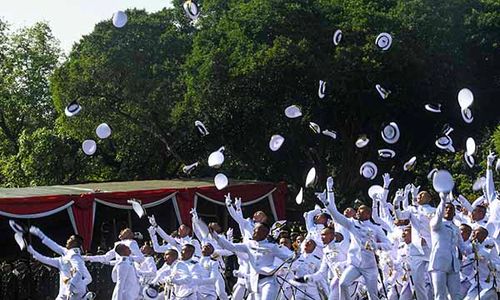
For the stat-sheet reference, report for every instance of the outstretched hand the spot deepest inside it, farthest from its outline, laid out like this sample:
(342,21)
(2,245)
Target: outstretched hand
(491,159)
(387,180)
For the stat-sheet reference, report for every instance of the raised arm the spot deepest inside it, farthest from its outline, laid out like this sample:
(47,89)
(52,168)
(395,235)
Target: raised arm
(332,208)
(465,203)
(104,259)
(53,262)
(377,218)
(200,228)
(490,185)
(48,242)
(400,212)
(154,240)
(232,211)
(309,218)
(225,244)
(166,237)
(437,219)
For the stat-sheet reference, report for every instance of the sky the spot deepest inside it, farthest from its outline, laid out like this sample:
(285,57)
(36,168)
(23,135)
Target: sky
(69,19)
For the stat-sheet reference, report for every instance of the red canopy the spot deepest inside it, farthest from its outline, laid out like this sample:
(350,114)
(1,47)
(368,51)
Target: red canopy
(80,200)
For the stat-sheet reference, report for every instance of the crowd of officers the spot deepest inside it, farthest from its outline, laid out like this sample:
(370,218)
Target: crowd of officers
(400,249)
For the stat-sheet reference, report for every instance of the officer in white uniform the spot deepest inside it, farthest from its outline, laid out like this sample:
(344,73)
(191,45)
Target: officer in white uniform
(147,269)
(202,232)
(126,237)
(447,243)
(486,264)
(332,264)
(307,264)
(261,255)
(415,265)
(124,275)
(183,238)
(181,276)
(209,273)
(74,276)
(366,237)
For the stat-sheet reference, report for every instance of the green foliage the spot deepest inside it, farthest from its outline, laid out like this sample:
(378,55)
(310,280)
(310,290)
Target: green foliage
(236,69)
(251,59)
(129,78)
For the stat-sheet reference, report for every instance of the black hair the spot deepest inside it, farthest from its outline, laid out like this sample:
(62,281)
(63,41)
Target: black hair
(120,248)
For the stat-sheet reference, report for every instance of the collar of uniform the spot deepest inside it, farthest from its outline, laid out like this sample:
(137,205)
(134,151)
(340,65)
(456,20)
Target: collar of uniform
(190,261)
(124,258)
(74,251)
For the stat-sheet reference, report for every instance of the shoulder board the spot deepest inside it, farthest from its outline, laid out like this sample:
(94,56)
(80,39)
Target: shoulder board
(193,262)
(317,257)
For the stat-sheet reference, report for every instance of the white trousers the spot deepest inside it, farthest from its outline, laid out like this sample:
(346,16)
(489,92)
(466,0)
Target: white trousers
(352,273)
(239,291)
(418,274)
(489,294)
(268,289)
(220,287)
(446,283)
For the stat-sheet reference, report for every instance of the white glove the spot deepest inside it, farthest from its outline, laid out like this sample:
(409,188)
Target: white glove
(152,221)
(414,191)
(398,198)
(408,189)
(387,180)
(228,199)
(237,203)
(491,159)
(321,197)
(37,232)
(194,213)
(329,184)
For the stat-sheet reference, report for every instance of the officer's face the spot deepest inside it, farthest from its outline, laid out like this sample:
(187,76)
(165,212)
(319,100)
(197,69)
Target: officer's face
(423,198)
(407,235)
(71,243)
(147,250)
(186,253)
(449,212)
(260,232)
(465,232)
(320,219)
(184,231)
(479,235)
(207,250)
(126,234)
(286,243)
(169,257)
(349,212)
(259,216)
(327,235)
(363,213)
(478,213)
(309,246)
